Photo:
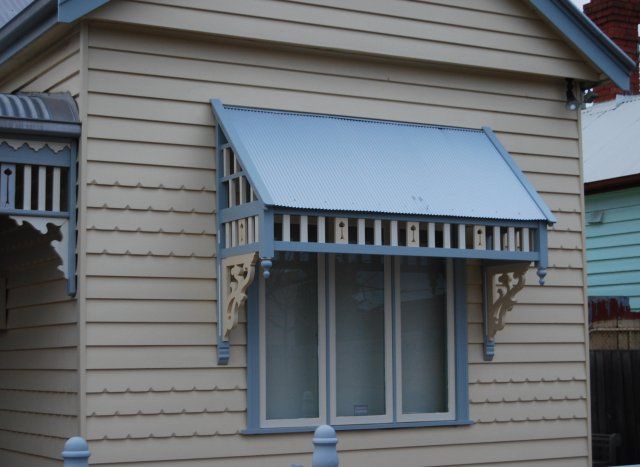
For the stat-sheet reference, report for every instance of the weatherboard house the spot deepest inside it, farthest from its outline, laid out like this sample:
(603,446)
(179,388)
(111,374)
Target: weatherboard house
(225,223)
(612,197)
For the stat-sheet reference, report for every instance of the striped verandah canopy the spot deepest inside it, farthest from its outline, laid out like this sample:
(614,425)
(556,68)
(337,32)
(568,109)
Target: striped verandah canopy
(291,181)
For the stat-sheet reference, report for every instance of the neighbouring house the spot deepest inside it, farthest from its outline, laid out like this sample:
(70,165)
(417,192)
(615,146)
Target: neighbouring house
(226,222)
(611,154)
(611,151)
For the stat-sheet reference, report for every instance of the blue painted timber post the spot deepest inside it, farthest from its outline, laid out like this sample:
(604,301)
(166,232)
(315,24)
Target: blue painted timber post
(76,452)
(324,447)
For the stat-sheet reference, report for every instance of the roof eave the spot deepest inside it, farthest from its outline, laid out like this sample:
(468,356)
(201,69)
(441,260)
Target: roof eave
(612,184)
(71,10)
(27,26)
(37,19)
(580,31)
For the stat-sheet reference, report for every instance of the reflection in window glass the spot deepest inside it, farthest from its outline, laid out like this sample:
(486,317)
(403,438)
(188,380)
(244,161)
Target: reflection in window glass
(423,304)
(359,335)
(291,334)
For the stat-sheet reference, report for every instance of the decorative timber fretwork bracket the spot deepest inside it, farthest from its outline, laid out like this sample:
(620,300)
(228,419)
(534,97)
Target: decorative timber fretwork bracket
(501,284)
(59,242)
(38,188)
(236,275)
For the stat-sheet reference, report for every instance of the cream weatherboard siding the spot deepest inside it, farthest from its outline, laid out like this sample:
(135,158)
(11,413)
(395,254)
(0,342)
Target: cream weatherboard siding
(56,68)
(498,34)
(38,361)
(39,404)
(155,393)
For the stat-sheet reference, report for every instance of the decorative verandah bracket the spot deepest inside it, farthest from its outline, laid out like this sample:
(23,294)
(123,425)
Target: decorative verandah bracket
(236,275)
(61,246)
(501,284)
(38,187)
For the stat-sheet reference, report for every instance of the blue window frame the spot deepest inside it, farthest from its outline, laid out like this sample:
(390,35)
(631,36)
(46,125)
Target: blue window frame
(378,317)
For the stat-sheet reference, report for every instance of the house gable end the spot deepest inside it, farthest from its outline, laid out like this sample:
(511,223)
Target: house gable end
(505,35)
(588,39)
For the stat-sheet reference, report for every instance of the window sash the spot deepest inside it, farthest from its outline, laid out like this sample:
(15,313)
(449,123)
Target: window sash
(388,352)
(322,382)
(450,414)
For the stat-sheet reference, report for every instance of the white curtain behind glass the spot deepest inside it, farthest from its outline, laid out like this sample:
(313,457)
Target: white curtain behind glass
(360,345)
(423,304)
(291,334)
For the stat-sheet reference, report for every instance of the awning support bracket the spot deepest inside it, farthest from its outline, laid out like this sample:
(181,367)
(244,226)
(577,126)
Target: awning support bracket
(237,274)
(501,283)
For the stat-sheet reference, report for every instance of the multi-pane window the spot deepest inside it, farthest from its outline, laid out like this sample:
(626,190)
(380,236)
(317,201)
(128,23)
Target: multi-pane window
(355,340)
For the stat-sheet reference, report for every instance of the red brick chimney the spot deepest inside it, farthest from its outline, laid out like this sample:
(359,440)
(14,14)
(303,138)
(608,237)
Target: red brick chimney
(619,20)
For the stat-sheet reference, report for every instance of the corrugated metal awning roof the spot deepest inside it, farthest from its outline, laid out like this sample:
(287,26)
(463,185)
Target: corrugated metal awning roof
(322,162)
(39,113)
(610,133)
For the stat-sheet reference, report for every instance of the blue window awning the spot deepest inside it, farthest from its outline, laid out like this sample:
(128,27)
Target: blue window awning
(290,181)
(308,182)
(324,162)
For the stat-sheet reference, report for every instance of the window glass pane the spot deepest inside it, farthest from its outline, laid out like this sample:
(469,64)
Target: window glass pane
(423,304)
(359,334)
(291,335)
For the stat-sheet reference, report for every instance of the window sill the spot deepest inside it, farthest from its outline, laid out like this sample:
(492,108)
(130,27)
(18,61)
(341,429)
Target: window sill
(368,426)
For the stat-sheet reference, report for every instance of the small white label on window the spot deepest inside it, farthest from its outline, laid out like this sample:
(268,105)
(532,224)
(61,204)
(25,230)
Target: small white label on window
(360,410)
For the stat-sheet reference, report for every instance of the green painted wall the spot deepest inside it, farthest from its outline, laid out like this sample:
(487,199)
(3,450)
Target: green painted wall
(613,244)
